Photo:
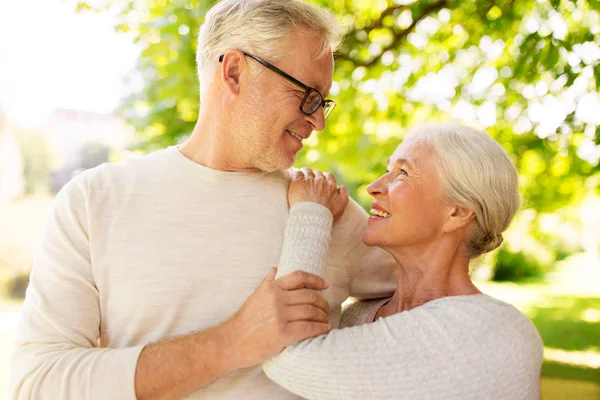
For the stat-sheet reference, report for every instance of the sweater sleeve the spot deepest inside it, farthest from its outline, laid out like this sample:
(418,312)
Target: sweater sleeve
(56,352)
(460,351)
(306,239)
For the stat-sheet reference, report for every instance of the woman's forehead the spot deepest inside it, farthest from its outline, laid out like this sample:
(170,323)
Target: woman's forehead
(411,152)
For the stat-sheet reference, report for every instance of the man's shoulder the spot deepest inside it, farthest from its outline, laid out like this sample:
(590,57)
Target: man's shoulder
(111,180)
(136,165)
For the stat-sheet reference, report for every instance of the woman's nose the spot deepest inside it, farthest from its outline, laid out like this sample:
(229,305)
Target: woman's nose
(377,188)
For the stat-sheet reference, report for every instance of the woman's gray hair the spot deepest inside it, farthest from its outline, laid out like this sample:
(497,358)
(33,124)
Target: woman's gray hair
(262,27)
(477,174)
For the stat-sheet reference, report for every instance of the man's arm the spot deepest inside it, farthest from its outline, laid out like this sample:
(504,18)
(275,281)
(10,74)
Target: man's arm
(57,355)
(180,366)
(278,313)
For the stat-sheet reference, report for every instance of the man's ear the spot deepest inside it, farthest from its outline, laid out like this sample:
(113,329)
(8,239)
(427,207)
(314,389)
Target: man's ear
(457,218)
(232,64)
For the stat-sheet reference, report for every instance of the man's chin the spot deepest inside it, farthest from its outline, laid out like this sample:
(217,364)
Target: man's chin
(278,165)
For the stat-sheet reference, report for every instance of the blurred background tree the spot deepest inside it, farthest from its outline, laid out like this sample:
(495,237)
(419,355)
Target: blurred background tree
(526,71)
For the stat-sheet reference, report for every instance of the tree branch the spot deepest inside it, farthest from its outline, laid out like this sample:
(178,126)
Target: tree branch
(378,23)
(399,36)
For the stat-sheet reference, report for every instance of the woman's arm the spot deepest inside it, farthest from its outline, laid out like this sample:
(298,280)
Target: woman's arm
(454,348)
(306,239)
(351,363)
(315,202)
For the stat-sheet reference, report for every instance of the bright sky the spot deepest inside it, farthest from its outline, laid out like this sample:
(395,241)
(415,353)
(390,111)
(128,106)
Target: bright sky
(51,57)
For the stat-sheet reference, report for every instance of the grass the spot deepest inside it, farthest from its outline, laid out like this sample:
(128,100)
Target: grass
(566,312)
(568,324)
(562,326)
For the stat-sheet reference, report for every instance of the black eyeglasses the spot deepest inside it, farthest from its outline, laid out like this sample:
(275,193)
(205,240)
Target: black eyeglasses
(313,99)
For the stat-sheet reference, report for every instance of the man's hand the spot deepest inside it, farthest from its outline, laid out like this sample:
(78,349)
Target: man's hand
(277,314)
(318,187)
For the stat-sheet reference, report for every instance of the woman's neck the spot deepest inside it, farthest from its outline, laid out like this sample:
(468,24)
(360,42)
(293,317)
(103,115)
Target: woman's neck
(427,274)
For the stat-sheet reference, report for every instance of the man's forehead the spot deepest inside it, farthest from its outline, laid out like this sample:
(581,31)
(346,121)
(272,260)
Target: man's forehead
(323,90)
(314,67)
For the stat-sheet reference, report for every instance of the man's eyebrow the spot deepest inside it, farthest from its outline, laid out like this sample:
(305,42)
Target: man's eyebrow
(320,89)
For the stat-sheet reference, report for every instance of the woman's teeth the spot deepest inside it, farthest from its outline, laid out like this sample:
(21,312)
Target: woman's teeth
(380,213)
(295,135)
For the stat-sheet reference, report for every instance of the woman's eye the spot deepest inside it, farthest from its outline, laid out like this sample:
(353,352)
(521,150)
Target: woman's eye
(399,172)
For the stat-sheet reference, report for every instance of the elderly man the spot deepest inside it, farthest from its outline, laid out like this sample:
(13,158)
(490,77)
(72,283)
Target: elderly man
(146,281)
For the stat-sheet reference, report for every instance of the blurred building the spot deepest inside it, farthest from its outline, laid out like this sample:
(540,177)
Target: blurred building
(12,183)
(82,140)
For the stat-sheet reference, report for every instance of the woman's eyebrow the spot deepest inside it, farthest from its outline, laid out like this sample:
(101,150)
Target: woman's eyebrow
(400,161)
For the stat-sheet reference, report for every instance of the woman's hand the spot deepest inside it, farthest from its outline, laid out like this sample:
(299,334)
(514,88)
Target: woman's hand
(318,187)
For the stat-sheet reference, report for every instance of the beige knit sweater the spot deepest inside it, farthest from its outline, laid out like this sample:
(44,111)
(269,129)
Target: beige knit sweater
(154,248)
(460,347)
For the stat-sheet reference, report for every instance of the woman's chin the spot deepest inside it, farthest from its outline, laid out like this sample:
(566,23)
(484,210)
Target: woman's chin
(369,239)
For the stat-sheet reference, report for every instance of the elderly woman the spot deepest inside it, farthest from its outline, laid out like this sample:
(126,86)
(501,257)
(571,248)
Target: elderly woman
(448,194)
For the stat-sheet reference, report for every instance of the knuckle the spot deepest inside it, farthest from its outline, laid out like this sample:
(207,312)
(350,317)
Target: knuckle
(281,328)
(304,326)
(300,275)
(273,299)
(323,317)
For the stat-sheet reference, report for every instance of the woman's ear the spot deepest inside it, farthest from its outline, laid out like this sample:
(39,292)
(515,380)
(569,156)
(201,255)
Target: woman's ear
(231,65)
(457,218)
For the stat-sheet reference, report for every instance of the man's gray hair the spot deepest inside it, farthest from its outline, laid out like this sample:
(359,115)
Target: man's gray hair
(477,174)
(262,27)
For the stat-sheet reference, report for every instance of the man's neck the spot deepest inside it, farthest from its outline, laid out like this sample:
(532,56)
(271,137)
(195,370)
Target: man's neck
(210,145)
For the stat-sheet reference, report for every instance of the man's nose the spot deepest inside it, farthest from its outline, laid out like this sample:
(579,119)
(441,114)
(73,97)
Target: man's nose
(317,119)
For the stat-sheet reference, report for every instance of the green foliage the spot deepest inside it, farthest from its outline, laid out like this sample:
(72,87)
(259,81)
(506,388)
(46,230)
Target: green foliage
(517,266)
(504,59)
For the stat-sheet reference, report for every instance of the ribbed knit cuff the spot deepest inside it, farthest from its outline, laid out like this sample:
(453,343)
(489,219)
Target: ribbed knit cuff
(306,239)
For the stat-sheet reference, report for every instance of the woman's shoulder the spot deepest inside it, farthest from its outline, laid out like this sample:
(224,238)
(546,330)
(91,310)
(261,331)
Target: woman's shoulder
(479,309)
(488,321)
(479,320)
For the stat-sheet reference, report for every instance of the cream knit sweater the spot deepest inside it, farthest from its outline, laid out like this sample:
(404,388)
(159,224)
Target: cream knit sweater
(461,347)
(158,247)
